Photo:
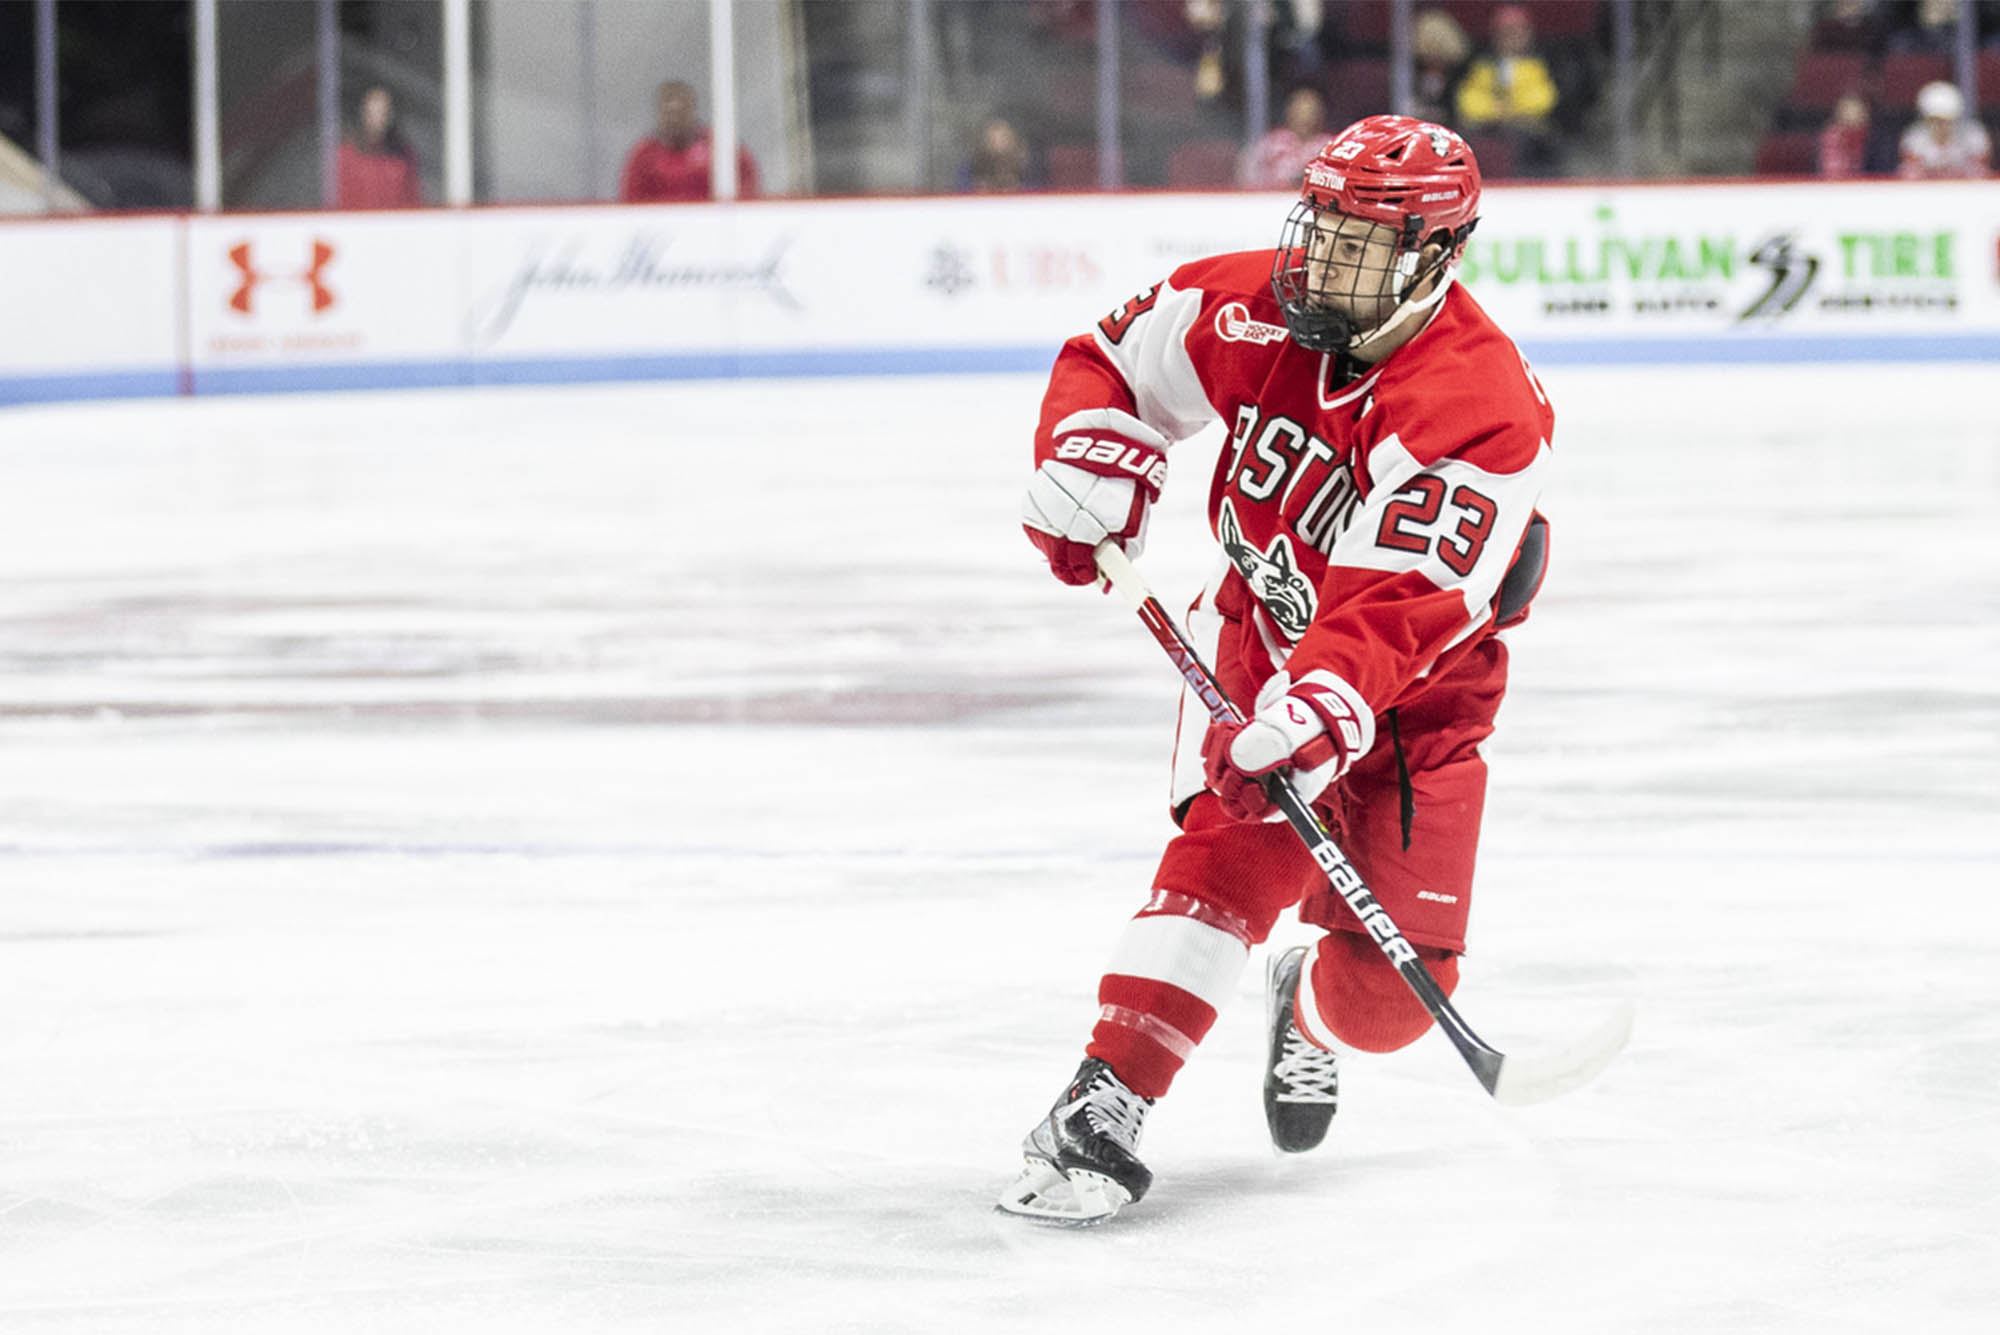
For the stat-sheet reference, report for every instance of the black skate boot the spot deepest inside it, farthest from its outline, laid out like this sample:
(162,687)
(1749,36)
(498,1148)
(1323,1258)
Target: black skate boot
(1082,1159)
(1301,1079)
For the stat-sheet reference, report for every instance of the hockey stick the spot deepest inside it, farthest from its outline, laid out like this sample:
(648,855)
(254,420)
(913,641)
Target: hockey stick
(1509,1079)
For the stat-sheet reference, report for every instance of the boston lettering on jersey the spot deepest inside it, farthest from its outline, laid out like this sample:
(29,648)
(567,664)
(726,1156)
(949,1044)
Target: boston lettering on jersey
(1270,455)
(1367,524)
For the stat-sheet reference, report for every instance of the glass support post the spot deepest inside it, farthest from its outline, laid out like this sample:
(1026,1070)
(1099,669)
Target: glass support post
(1110,157)
(722,90)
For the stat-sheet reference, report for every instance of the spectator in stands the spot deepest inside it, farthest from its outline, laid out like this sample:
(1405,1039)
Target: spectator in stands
(675,162)
(1848,25)
(1298,34)
(1438,49)
(1278,160)
(1509,91)
(1207,20)
(1843,143)
(1944,142)
(1932,30)
(999,162)
(375,168)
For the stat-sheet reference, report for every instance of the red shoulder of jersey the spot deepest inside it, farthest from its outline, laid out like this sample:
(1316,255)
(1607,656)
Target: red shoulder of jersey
(1238,310)
(1237,332)
(1241,274)
(1462,389)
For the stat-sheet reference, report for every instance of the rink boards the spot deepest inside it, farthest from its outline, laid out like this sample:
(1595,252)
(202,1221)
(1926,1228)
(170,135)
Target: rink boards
(1729,273)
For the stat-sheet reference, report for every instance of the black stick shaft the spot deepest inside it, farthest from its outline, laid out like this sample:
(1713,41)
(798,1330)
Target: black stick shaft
(1484,1060)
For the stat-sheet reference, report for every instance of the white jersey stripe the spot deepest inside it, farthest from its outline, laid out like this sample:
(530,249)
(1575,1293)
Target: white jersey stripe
(1153,358)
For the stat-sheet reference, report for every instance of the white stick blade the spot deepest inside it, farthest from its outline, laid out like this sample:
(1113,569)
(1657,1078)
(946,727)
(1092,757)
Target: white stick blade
(1534,1078)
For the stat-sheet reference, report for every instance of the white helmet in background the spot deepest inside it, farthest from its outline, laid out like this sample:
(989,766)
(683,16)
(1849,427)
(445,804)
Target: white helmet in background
(1941,101)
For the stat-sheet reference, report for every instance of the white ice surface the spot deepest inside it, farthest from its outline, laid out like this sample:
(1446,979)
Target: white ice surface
(637,859)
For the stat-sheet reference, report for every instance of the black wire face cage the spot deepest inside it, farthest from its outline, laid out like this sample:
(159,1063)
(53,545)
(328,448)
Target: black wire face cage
(1326,313)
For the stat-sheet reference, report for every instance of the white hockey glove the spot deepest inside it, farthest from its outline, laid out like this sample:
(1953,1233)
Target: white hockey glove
(1094,486)
(1315,728)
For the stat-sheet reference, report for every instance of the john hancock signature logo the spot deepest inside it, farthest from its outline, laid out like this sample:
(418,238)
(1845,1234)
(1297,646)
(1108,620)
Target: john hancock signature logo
(643,265)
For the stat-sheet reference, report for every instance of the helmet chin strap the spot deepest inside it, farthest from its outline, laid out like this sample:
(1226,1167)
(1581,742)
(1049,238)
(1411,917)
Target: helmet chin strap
(1406,311)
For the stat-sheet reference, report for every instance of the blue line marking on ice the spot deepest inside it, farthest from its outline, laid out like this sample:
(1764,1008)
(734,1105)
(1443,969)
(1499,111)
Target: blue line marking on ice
(589,370)
(1000,359)
(1763,349)
(307,848)
(160,382)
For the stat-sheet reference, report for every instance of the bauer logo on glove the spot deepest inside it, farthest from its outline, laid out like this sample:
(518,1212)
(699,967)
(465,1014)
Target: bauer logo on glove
(1142,461)
(1100,473)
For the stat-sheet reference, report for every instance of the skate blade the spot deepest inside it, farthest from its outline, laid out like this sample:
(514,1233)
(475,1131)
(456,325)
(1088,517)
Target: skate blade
(1046,1195)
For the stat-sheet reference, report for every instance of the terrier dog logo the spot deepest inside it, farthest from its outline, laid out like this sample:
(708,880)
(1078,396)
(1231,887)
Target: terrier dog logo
(1272,574)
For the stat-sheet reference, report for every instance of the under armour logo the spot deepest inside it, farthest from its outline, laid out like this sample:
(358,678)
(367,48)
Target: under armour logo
(253,277)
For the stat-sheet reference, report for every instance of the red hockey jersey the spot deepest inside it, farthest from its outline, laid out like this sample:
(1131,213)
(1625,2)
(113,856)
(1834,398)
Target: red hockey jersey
(1367,526)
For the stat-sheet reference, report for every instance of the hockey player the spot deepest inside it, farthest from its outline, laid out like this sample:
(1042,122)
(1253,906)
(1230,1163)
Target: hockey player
(1374,503)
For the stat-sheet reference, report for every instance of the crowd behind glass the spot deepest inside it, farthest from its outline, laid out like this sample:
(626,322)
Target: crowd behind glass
(1019,95)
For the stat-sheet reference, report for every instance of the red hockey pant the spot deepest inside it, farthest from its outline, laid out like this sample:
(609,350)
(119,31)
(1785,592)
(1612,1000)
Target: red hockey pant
(1407,815)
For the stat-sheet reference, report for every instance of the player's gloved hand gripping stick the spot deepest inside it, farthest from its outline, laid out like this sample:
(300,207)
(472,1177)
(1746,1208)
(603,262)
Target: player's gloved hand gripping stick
(1510,1079)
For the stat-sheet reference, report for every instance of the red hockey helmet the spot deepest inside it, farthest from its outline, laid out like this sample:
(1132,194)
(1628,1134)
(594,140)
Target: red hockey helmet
(1408,174)
(1418,179)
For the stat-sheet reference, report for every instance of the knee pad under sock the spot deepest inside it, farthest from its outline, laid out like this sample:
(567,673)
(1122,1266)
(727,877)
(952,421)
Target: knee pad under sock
(1354,995)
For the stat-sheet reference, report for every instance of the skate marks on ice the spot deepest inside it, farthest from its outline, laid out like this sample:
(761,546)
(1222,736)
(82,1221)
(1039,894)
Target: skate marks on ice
(564,869)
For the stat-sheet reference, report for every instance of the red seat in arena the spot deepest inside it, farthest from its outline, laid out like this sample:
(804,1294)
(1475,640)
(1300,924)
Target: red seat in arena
(1366,24)
(1821,77)
(1904,73)
(1362,23)
(1788,153)
(1071,166)
(1160,95)
(1355,88)
(1552,18)
(1203,164)
(1494,153)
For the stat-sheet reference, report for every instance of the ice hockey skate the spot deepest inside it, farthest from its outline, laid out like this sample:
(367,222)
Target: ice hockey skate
(1301,1079)
(1082,1159)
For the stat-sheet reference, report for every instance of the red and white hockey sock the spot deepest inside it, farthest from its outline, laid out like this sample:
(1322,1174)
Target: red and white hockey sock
(1173,967)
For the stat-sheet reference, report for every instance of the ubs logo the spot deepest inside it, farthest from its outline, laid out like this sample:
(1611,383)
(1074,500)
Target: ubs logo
(950,271)
(252,277)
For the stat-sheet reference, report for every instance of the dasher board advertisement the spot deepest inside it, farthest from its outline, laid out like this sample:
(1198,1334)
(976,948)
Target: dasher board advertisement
(1637,273)
(1634,275)
(358,298)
